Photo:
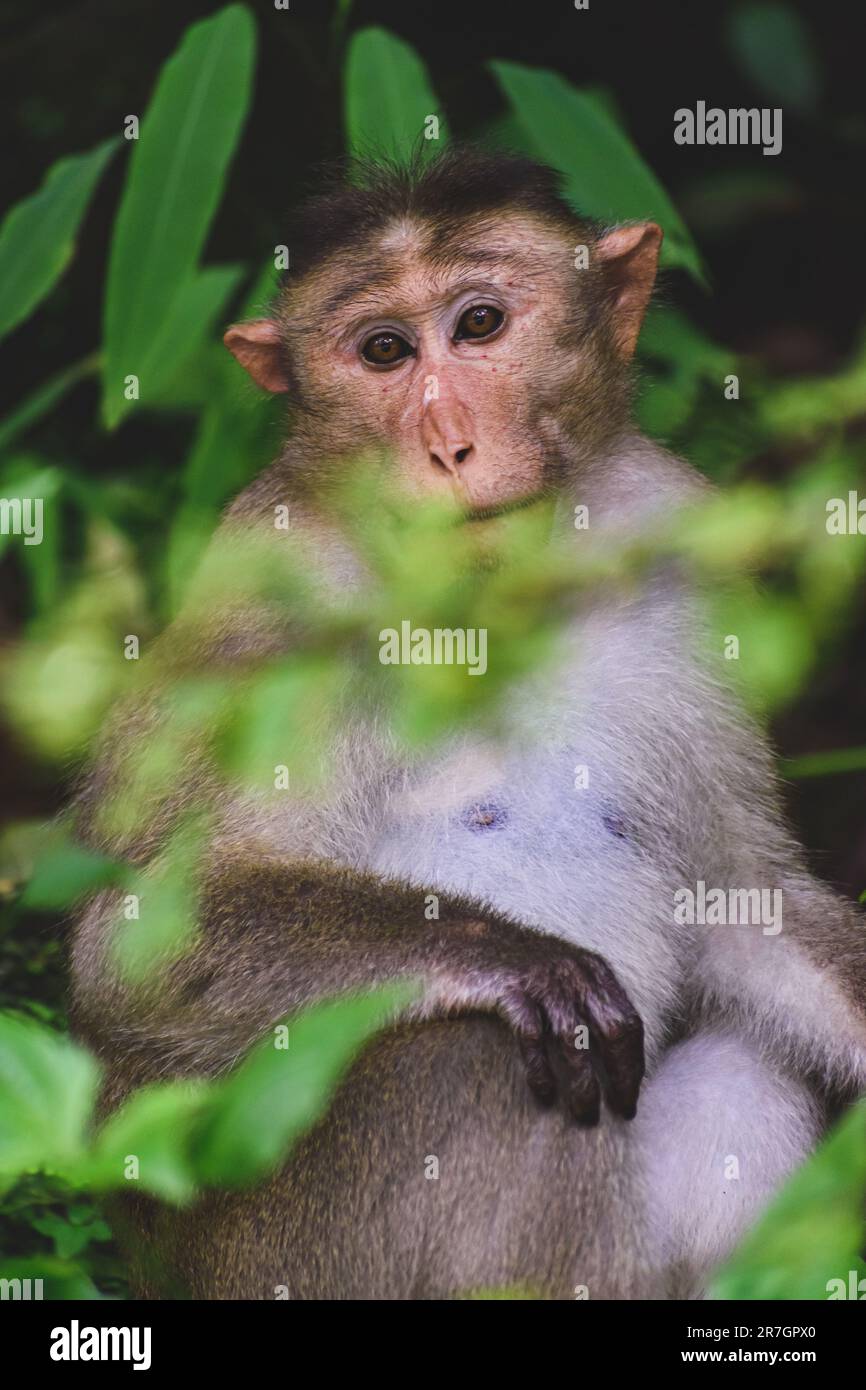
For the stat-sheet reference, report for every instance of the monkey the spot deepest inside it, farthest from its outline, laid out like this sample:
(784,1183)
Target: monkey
(565,1171)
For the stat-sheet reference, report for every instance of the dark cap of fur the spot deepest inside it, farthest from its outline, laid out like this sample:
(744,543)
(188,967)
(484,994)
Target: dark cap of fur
(359,197)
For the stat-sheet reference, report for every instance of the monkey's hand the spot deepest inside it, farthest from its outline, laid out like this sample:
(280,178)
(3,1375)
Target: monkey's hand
(578,1032)
(276,937)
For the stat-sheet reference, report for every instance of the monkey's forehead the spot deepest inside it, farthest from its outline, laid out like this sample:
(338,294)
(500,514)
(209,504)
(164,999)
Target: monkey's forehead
(411,258)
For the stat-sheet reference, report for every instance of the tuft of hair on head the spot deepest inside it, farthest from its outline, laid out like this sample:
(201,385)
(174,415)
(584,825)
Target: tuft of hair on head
(359,196)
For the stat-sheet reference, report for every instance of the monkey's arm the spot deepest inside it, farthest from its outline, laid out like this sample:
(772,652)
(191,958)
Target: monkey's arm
(275,937)
(801,992)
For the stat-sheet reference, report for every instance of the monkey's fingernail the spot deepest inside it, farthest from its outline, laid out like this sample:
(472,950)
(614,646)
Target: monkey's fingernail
(623,1106)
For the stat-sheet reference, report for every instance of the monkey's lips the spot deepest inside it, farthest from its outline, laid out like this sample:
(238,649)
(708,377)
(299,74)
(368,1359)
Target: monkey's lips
(518,504)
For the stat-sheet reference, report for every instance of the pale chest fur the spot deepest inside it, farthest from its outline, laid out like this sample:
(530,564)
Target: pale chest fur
(517,826)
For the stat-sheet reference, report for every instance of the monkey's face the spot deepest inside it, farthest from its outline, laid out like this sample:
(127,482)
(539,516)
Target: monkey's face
(481,355)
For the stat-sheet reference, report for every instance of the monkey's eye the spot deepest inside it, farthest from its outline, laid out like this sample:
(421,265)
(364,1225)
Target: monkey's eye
(384,349)
(478,322)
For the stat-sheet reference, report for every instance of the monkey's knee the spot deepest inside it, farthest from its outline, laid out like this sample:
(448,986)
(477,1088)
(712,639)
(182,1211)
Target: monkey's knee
(720,1131)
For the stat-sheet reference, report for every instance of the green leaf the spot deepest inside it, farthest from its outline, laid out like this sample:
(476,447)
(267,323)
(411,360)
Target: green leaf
(69,1238)
(37,238)
(29,477)
(47,1091)
(813,1232)
(665,402)
(44,399)
(260,292)
(388,97)
(175,181)
(155,1127)
(276,1093)
(828,764)
(168,892)
(62,1280)
(191,317)
(669,336)
(605,177)
(774,48)
(811,404)
(67,872)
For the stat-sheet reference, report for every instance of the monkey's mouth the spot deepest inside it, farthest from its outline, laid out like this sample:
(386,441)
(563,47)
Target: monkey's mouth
(519,504)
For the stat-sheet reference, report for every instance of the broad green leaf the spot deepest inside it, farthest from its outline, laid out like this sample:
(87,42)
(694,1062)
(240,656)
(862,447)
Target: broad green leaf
(69,1238)
(233,440)
(504,132)
(200,383)
(37,237)
(665,402)
(276,1093)
(48,1088)
(260,292)
(388,97)
(773,46)
(236,436)
(168,892)
(191,317)
(667,399)
(776,649)
(154,1127)
(67,872)
(605,177)
(174,184)
(813,1232)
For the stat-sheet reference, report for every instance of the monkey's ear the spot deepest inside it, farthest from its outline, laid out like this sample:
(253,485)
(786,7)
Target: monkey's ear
(258,346)
(630,256)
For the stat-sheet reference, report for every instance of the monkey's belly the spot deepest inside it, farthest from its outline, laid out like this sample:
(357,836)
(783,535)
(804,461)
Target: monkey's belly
(533,846)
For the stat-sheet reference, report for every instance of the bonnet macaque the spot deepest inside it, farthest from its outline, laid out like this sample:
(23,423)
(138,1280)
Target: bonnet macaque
(560,1169)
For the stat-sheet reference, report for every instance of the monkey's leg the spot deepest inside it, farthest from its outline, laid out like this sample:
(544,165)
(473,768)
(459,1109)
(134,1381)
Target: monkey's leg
(435,1174)
(720,1130)
(274,937)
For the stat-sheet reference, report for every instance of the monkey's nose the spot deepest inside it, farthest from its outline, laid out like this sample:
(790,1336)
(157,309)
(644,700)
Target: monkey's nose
(447,433)
(450,456)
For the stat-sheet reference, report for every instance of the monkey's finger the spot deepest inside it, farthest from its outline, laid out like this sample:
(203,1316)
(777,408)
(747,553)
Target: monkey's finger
(526,1019)
(558,997)
(617,1034)
(576,1080)
(620,1059)
(539,1073)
